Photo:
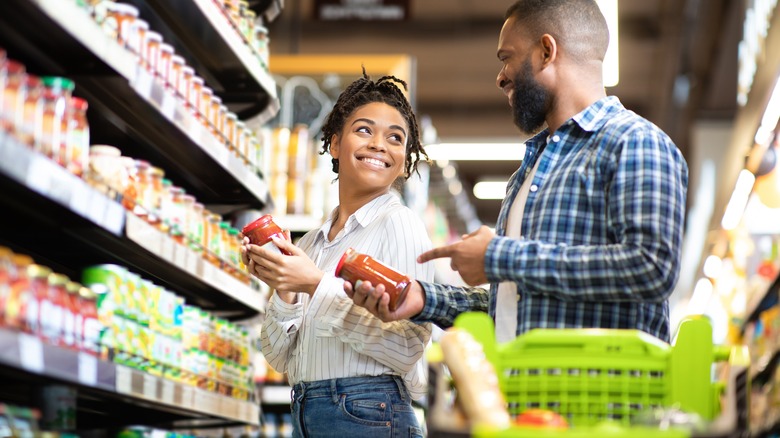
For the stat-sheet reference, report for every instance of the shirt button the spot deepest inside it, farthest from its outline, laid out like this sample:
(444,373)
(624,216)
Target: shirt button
(534,188)
(556,138)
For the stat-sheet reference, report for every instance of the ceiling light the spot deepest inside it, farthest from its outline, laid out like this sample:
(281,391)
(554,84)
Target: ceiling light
(490,189)
(611,72)
(476,151)
(738,201)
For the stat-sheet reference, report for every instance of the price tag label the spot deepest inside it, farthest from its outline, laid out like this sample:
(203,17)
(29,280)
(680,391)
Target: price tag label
(60,187)
(114,216)
(97,208)
(180,256)
(124,380)
(143,83)
(187,394)
(192,260)
(168,107)
(150,386)
(38,176)
(80,198)
(168,388)
(31,353)
(87,369)
(167,248)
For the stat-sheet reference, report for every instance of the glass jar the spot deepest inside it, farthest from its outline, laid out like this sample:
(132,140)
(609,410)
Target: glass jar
(118,20)
(166,206)
(153,41)
(105,171)
(91,326)
(354,266)
(260,232)
(205,109)
(188,217)
(53,128)
(214,119)
(197,229)
(224,241)
(33,110)
(136,40)
(254,150)
(71,317)
(248,30)
(234,243)
(230,131)
(196,92)
(222,113)
(174,72)
(242,141)
(139,180)
(187,73)
(78,136)
(6,272)
(261,44)
(153,194)
(164,63)
(38,277)
(12,115)
(177,216)
(19,292)
(213,239)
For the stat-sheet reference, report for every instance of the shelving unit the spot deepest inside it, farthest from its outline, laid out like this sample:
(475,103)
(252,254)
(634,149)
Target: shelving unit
(66,224)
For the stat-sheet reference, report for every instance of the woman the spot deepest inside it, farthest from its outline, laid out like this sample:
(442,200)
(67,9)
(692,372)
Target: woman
(352,374)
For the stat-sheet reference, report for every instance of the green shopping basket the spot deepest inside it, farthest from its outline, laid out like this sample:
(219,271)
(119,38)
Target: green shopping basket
(590,376)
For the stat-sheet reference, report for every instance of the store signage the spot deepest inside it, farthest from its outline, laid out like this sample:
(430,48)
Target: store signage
(758,17)
(361,10)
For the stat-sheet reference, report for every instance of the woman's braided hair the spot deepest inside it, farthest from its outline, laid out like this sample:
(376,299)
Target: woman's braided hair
(364,91)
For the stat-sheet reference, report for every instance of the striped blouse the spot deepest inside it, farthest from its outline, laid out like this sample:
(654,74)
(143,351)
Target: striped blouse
(326,336)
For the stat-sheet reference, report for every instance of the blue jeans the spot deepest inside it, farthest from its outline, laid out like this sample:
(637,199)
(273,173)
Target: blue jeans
(372,407)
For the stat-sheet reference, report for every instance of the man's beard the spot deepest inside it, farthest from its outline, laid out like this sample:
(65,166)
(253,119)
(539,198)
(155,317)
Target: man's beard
(530,102)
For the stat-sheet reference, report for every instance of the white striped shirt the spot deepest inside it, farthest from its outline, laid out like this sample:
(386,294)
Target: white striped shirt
(326,336)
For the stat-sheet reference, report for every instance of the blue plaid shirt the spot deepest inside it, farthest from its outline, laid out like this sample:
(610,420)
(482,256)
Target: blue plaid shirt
(602,230)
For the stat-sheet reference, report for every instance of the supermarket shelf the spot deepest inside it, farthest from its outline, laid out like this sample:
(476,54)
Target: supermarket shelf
(128,108)
(275,395)
(64,223)
(765,370)
(27,353)
(201,28)
(757,302)
(270,9)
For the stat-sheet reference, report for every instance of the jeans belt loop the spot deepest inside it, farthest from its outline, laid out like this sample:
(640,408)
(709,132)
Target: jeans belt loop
(334,390)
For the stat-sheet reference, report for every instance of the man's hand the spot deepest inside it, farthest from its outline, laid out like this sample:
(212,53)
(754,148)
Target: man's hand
(467,256)
(377,301)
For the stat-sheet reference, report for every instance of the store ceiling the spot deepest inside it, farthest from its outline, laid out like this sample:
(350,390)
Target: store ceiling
(678,63)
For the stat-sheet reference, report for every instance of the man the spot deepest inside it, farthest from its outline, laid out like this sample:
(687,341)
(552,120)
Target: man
(590,231)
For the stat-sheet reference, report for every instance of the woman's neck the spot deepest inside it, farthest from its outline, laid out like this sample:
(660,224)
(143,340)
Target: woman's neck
(348,205)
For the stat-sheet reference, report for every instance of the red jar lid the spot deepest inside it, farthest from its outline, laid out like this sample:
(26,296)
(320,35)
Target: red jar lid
(342,260)
(78,103)
(259,222)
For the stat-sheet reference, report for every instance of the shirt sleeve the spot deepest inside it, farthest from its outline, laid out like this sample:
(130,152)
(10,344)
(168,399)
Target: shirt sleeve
(645,182)
(443,303)
(279,331)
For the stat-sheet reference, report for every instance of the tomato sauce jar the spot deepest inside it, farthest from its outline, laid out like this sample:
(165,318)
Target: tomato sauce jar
(354,266)
(262,230)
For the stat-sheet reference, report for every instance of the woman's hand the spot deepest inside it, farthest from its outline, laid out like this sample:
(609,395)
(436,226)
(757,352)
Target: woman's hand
(293,273)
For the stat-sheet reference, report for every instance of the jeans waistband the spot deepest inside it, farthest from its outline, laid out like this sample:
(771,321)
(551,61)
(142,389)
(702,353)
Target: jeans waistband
(334,387)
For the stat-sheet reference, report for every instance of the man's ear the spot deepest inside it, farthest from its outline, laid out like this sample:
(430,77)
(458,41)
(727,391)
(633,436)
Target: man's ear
(549,49)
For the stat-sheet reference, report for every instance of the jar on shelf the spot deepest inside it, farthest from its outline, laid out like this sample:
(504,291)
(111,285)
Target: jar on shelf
(230,132)
(261,43)
(13,96)
(242,141)
(90,326)
(71,320)
(177,213)
(195,95)
(185,79)
(214,239)
(136,39)
(33,110)
(222,113)
(196,229)
(164,63)
(105,171)
(254,151)
(166,206)
(118,20)
(174,72)
(152,42)
(19,293)
(234,242)
(248,30)
(38,277)
(53,128)
(139,183)
(214,116)
(224,241)
(153,194)
(188,217)
(206,97)
(77,136)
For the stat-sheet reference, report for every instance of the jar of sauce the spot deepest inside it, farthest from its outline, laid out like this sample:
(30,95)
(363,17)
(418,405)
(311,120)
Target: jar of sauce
(354,266)
(262,230)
